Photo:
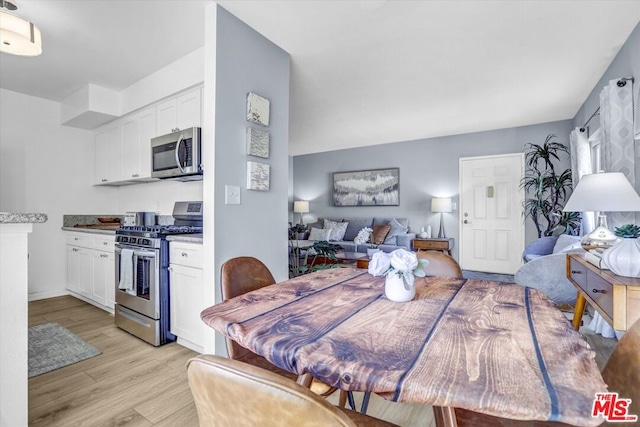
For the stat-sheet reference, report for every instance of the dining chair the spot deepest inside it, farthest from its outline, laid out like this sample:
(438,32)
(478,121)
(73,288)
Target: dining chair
(621,373)
(232,393)
(440,264)
(239,276)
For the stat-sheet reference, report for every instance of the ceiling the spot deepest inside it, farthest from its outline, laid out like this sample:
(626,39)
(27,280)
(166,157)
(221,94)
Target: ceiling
(363,72)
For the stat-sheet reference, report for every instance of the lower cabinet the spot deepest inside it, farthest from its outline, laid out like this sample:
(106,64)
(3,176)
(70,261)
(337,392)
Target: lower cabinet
(186,295)
(91,268)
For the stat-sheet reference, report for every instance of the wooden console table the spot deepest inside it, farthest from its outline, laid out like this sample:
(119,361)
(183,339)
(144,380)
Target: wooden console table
(442,245)
(616,298)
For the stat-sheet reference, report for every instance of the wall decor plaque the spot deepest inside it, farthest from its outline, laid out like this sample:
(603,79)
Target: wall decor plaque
(257,176)
(257,142)
(379,187)
(257,109)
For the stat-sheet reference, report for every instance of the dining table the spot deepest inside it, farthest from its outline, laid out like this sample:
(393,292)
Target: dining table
(496,348)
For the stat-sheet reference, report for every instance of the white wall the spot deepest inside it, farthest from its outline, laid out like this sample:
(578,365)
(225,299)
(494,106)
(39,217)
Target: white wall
(48,168)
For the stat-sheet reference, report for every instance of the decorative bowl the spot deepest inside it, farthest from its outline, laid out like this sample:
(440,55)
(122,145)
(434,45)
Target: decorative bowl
(108,220)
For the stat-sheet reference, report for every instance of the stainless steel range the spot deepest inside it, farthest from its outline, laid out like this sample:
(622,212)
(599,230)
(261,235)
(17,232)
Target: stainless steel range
(142,277)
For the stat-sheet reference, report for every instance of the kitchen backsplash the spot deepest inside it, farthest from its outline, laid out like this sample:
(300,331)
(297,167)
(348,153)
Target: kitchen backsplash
(73,220)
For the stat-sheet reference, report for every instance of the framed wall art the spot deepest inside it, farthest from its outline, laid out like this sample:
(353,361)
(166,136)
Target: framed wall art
(257,109)
(378,187)
(257,143)
(257,176)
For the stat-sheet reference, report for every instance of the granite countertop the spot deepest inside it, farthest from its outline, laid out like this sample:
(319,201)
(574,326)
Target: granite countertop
(188,238)
(22,218)
(106,229)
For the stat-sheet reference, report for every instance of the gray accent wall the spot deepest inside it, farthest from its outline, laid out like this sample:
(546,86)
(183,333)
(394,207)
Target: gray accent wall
(428,168)
(248,62)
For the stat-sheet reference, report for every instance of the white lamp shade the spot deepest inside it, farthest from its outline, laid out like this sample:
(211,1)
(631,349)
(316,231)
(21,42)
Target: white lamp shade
(19,37)
(603,192)
(441,204)
(301,206)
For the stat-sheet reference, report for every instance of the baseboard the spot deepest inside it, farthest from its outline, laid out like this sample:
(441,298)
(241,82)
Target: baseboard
(190,345)
(47,294)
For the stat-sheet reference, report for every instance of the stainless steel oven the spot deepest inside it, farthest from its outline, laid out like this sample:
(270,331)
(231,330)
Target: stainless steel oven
(142,276)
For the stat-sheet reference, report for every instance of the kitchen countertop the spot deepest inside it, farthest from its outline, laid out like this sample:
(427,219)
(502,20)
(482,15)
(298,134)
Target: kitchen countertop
(188,238)
(22,218)
(104,229)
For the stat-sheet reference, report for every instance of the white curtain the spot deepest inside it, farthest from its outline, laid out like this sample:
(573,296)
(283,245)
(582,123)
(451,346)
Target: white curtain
(618,155)
(581,165)
(618,151)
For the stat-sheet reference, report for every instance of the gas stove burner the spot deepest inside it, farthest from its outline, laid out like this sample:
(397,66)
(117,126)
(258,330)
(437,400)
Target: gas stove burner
(159,229)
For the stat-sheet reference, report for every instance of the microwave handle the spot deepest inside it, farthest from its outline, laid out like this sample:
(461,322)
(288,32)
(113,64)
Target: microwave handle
(178,154)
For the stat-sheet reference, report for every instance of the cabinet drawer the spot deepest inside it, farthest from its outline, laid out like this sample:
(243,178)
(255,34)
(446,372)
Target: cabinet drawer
(601,292)
(187,254)
(579,274)
(104,243)
(79,239)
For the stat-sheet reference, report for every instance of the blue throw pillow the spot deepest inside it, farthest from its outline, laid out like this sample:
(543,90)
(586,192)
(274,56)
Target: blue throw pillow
(397,229)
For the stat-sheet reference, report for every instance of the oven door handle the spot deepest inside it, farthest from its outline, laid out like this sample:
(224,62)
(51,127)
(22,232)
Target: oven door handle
(135,272)
(178,153)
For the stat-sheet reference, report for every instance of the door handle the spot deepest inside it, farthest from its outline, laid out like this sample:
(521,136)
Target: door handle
(466,221)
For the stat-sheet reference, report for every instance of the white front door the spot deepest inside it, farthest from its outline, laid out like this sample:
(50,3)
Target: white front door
(492,226)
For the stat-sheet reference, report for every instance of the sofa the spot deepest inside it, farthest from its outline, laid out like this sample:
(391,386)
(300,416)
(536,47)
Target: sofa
(545,267)
(398,237)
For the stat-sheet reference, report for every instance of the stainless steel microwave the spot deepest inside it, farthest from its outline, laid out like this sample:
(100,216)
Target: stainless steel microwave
(177,155)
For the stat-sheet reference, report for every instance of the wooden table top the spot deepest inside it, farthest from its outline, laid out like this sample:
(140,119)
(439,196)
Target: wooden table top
(495,348)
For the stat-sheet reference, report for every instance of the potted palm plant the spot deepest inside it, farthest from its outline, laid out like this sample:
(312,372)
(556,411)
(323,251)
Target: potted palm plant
(547,189)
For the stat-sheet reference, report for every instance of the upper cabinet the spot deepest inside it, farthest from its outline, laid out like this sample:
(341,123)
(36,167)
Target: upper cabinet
(179,113)
(108,152)
(123,147)
(137,131)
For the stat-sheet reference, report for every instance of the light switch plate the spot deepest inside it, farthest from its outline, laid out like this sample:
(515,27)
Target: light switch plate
(231,195)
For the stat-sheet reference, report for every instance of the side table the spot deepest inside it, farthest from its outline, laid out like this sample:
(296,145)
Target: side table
(616,298)
(443,245)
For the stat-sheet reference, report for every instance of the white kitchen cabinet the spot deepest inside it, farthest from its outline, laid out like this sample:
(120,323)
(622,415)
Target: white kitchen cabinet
(186,295)
(137,131)
(91,268)
(181,112)
(108,154)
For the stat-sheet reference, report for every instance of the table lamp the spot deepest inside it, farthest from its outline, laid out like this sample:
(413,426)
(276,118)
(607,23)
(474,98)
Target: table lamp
(301,207)
(602,192)
(441,204)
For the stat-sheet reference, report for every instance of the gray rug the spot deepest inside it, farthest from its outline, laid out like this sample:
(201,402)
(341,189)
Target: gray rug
(480,275)
(52,347)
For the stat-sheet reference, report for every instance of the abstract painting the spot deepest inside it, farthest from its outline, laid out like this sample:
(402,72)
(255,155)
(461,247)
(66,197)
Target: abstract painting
(257,142)
(257,109)
(257,176)
(379,187)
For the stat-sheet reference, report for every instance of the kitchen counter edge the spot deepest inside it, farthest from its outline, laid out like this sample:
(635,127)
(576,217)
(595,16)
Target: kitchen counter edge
(93,230)
(188,238)
(22,218)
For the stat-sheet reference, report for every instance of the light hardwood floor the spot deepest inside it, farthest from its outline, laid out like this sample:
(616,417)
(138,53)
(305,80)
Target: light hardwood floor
(132,383)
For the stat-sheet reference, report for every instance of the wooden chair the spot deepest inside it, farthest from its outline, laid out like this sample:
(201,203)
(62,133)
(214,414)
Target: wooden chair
(440,264)
(232,393)
(621,373)
(245,274)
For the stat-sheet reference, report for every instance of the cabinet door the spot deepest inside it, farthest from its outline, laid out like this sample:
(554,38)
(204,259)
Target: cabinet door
(131,147)
(147,120)
(79,270)
(103,277)
(101,157)
(166,117)
(186,301)
(115,153)
(189,109)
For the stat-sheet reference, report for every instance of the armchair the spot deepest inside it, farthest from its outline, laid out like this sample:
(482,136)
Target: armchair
(545,267)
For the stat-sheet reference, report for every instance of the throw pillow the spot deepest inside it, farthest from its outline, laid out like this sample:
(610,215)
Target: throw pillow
(379,233)
(397,229)
(319,234)
(355,225)
(337,229)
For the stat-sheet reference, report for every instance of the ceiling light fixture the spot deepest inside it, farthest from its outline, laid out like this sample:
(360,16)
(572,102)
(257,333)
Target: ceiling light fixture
(18,36)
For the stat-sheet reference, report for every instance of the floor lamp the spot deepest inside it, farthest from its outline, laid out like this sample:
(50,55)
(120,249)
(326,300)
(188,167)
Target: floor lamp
(441,204)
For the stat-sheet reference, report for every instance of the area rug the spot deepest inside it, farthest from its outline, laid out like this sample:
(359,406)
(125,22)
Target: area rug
(52,347)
